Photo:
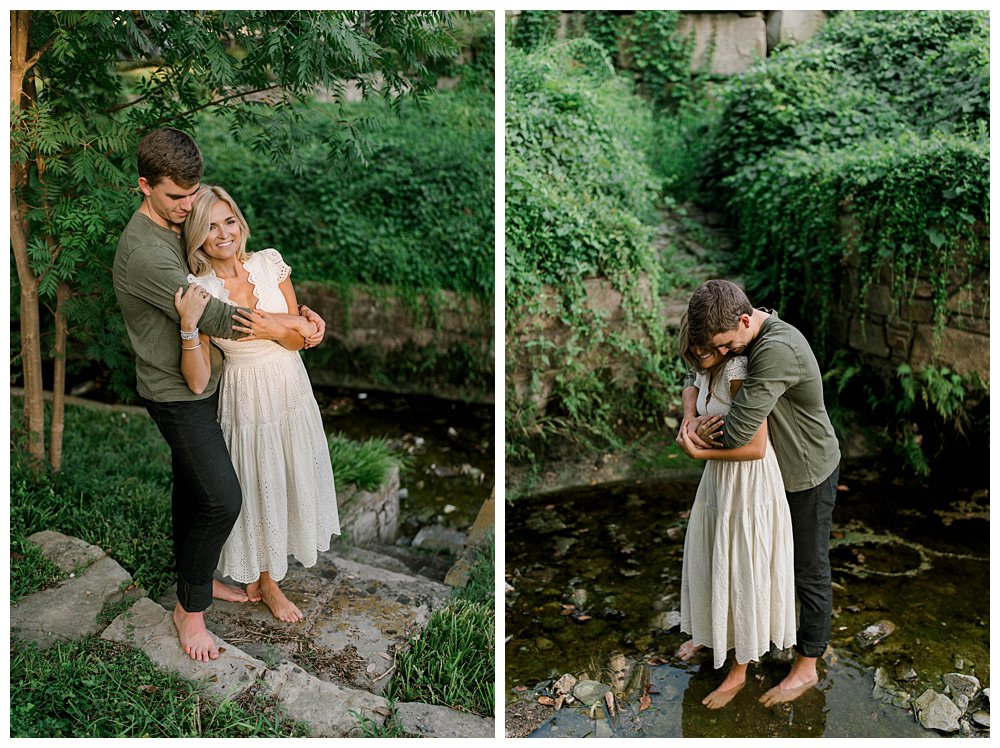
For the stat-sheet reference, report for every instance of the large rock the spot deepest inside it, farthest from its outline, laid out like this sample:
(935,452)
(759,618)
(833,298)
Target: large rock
(735,41)
(429,721)
(789,27)
(370,516)
(937,712)
(70,610)
(961,684)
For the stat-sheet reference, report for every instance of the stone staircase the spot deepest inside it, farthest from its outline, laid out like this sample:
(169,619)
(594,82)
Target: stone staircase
(360,608)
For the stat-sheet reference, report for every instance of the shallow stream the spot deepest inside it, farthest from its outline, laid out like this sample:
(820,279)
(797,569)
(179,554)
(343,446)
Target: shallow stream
(448,446)
(596,574)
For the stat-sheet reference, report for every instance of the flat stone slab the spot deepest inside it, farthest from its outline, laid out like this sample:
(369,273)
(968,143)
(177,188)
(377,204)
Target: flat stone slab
(326,706)
(70,610)
(68,553)
(372,612)
(357,616)
(150,628)
(429,721)
(440,538)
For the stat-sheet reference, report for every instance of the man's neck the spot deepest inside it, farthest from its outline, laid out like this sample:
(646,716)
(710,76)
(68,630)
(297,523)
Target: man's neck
(756,320)
(156,218)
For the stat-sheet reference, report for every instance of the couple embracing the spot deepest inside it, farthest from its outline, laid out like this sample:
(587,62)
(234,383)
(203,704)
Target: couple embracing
(759,528)
(252,479)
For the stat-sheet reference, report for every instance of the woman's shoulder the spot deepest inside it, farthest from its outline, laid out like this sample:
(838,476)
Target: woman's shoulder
(269,259)
(736,367)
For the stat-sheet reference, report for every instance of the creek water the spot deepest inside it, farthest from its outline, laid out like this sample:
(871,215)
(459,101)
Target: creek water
(448,447)
(596,574)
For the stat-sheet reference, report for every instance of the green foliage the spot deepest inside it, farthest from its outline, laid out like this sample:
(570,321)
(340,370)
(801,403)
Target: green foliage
(579,204)
(363,464)
(451,662)
(534,28)
(73,137)
(481,585)
(416,214)
(98,689)
(924,416)
(845,125)
(661,56)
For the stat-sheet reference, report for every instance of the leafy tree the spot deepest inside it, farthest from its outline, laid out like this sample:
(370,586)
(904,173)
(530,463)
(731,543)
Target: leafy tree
(87,85)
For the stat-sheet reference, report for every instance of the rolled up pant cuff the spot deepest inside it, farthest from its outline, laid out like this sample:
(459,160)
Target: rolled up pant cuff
(194,598)
(810,649)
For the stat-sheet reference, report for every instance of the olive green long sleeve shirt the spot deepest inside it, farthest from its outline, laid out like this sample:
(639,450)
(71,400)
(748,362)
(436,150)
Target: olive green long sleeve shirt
(150,265)
(784,385)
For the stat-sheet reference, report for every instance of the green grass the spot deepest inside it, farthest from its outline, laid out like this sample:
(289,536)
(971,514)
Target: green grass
(451,662)
(97,689)
(365,464)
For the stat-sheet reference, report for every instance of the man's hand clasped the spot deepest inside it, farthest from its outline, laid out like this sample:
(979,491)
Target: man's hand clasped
(699,432)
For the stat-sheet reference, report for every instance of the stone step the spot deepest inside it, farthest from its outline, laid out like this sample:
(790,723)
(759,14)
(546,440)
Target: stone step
(71,609)
(323,671)
(327,707)
(357,618)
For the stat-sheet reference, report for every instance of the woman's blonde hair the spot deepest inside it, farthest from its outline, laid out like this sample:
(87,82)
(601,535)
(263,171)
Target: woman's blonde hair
(198,221)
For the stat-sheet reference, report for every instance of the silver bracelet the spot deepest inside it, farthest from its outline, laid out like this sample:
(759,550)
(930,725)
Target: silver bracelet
(193,335)
(194,347)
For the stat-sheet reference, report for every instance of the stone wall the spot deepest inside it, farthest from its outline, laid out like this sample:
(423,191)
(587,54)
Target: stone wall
(378,339)
(891,328)
(729,42)
(368,517)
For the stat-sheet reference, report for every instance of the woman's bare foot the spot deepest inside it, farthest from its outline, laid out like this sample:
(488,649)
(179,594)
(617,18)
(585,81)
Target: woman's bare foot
(195,638)
(688,649)
(800,679)
(730,686)
(267,589)
(228,592)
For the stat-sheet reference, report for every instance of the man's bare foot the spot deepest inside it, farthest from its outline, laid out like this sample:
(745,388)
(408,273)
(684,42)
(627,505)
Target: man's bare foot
(730,686)
(267,589)
(800,679)
(195,638)
(688,649)
(228,592)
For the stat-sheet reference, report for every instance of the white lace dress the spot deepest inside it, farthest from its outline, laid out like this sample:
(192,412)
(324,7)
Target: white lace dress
(737,583)
(272,426)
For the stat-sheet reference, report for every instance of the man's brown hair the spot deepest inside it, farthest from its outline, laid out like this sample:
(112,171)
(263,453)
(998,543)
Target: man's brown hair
(715,307)
(169,153)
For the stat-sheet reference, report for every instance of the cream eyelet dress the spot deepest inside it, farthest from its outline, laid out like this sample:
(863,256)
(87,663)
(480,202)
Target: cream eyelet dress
(737,581)
(274,431)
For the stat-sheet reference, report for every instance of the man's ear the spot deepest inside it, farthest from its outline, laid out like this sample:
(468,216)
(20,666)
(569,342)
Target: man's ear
(144,186)
(745,320)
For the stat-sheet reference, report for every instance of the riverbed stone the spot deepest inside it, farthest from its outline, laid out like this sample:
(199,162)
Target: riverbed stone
(590,692)
(959,683)
(565,684)
(68,553)
(149,627)
(440,538)
(70,610)
(872,635)
(430,721)
(982,718)
(937,712)
(667,620)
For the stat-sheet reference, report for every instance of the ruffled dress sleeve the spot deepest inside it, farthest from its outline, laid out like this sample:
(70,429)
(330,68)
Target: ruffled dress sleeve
(737,368)
(277,268)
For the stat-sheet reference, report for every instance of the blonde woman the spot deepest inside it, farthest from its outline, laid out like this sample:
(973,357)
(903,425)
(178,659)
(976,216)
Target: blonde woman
(267,411)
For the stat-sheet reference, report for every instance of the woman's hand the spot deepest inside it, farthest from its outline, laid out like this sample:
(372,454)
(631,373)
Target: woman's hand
(259,325)
(310,316)
(190,303)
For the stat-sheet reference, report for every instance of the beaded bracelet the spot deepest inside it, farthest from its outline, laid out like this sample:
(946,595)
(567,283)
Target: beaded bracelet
(193,335)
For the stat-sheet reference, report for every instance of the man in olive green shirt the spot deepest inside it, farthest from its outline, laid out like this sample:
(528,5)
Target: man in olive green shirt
(784,385)
(150,266)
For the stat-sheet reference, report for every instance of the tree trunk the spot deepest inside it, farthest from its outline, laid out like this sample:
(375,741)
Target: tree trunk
(31,336)
(63,293)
